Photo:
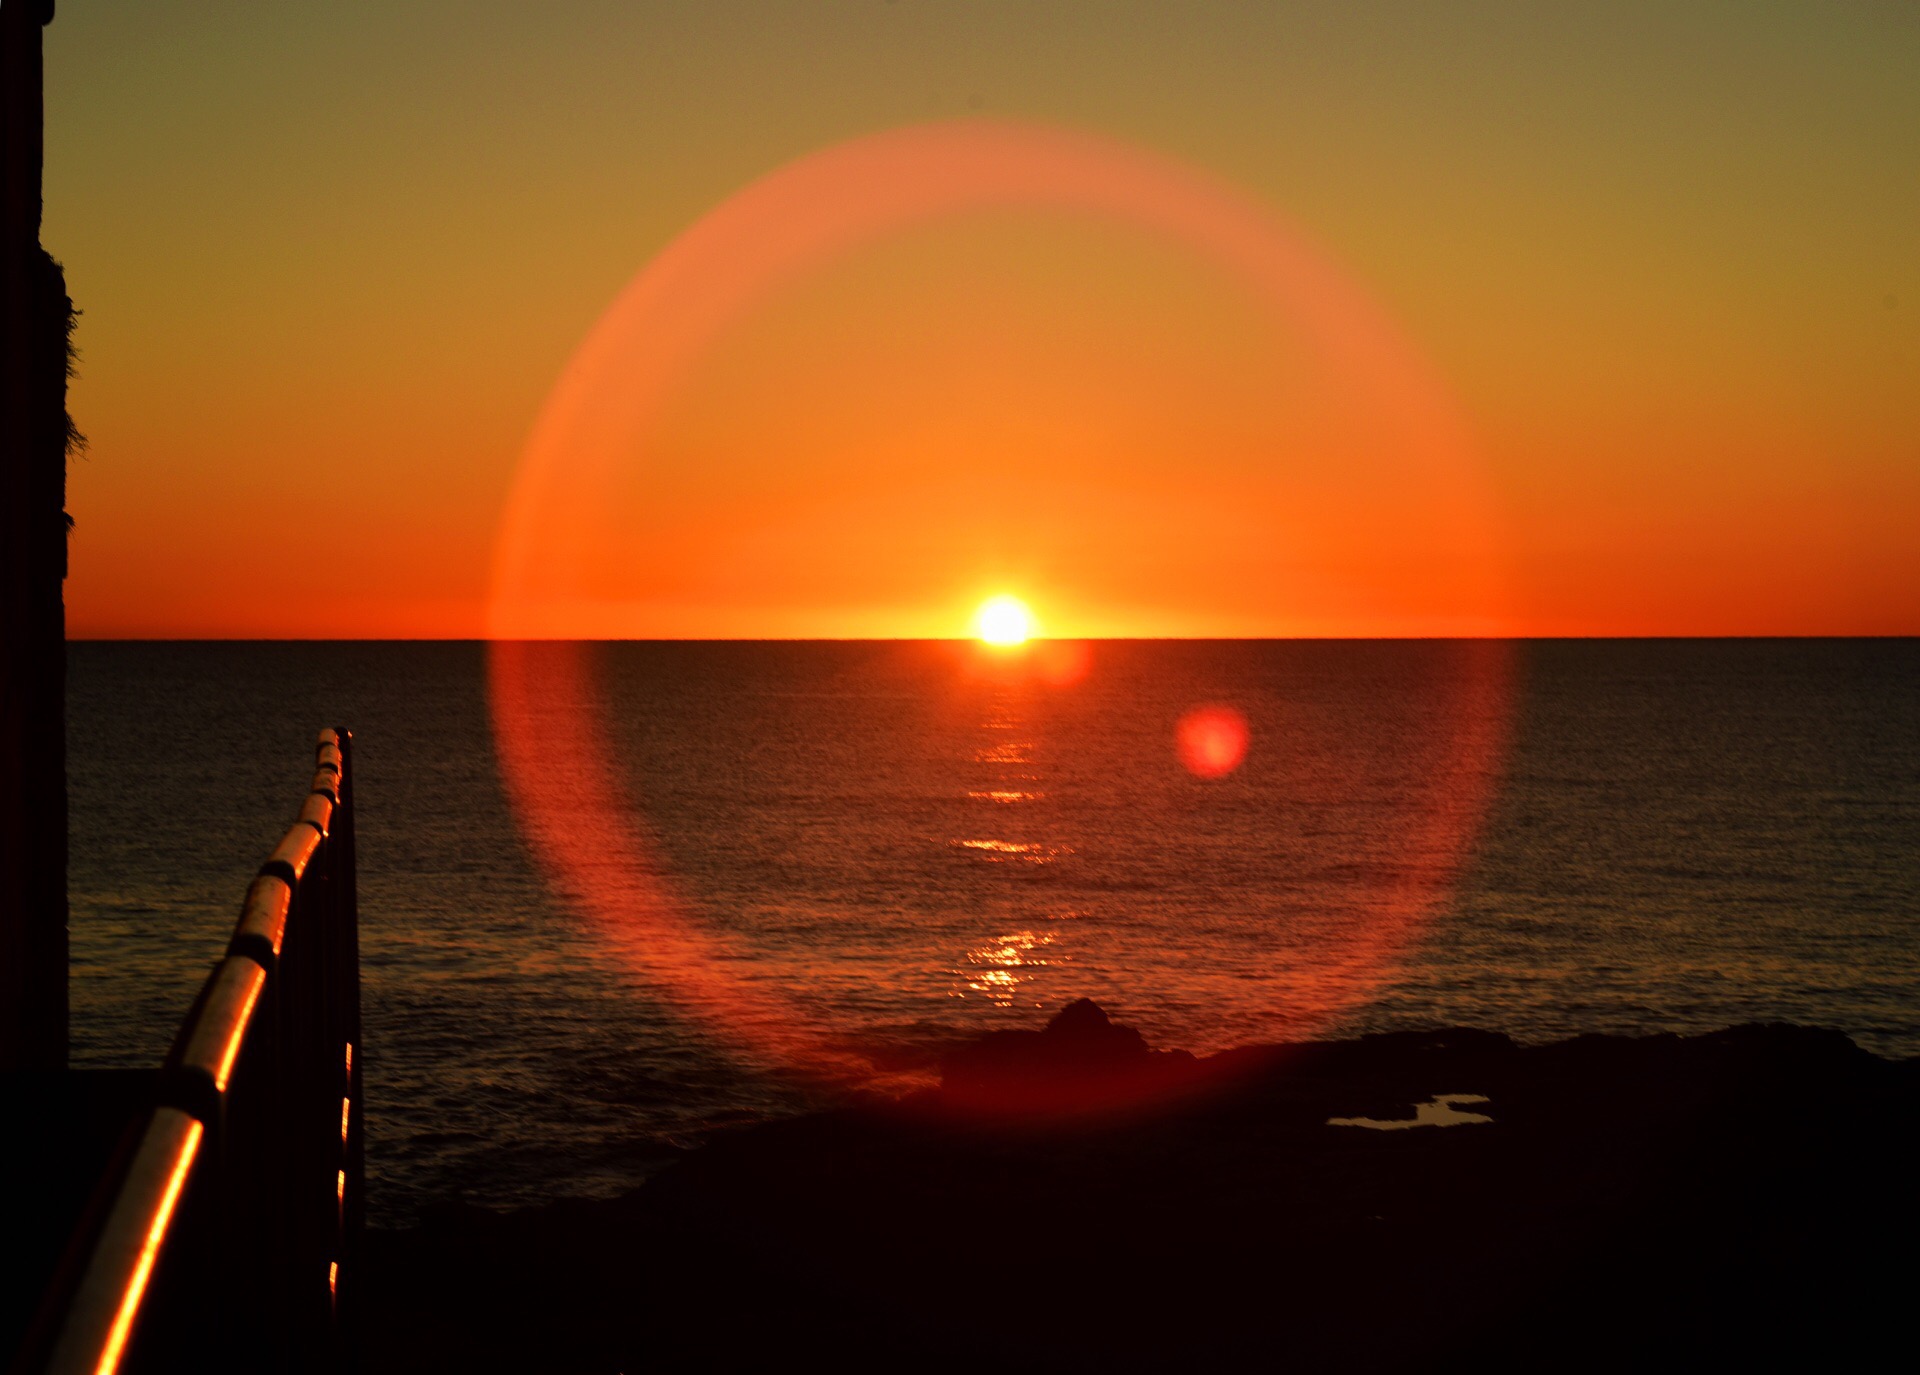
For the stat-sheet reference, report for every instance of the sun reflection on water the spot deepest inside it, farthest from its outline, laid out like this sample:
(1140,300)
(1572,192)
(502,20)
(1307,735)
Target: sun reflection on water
(1004,851)
(1019,752)
(997,969)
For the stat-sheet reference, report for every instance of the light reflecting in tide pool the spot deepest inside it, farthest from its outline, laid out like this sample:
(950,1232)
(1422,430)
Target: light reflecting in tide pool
(1442,1110)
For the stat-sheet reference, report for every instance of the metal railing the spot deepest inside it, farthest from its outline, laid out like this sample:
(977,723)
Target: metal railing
(226,1238)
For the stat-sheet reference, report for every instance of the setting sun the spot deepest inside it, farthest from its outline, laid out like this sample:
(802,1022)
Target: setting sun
(1004,621)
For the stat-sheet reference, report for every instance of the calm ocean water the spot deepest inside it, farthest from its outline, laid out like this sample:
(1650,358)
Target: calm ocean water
(901,845)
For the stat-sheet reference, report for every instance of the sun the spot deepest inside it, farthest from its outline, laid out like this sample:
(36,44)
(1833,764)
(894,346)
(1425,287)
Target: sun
(1003,620)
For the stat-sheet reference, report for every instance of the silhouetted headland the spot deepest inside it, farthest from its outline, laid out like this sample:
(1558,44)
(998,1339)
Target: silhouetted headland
(1742,1196)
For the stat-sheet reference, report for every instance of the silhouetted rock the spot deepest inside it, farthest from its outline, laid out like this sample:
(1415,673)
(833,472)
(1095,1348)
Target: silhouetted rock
(1745,1197)
(1085,1022)
(1080,1062)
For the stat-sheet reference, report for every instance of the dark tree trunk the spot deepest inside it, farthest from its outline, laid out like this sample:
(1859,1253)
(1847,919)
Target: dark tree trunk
(36,320)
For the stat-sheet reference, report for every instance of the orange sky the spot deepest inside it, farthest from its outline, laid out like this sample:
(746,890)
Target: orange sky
(333,261)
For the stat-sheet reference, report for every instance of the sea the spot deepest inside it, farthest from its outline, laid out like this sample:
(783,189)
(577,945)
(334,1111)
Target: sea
(847,857)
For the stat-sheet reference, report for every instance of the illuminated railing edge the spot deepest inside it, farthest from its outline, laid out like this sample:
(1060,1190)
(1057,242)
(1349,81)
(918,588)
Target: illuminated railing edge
(105,1306)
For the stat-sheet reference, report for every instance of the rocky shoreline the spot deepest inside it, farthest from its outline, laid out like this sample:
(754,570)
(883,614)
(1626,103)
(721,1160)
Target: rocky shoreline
(1072,1199)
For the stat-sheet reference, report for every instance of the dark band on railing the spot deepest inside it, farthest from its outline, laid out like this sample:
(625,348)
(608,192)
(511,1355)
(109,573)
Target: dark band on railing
(294,852)
(192,1091)
(196,1074)
(317,812)
(213,1042)
(263,922)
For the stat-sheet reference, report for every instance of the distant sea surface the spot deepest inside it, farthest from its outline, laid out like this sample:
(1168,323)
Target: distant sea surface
(907,844)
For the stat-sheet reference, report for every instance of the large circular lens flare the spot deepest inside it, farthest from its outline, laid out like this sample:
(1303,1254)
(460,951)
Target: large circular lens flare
(1416,527)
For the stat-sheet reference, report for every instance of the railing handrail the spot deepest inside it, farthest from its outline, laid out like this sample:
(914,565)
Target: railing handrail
(103,1307)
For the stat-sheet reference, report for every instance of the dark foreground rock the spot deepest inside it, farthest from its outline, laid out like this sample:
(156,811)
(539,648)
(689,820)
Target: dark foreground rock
(1743,1197)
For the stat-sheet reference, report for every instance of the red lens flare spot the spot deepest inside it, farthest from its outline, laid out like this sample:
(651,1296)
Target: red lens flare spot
(1212,741)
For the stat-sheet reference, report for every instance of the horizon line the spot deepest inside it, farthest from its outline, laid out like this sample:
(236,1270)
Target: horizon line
(970,639)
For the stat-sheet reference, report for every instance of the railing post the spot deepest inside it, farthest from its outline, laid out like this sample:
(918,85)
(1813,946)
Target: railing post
(351,1219)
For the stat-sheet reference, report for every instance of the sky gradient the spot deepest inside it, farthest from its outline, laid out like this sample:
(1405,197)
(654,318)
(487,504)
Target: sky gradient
(332,260)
